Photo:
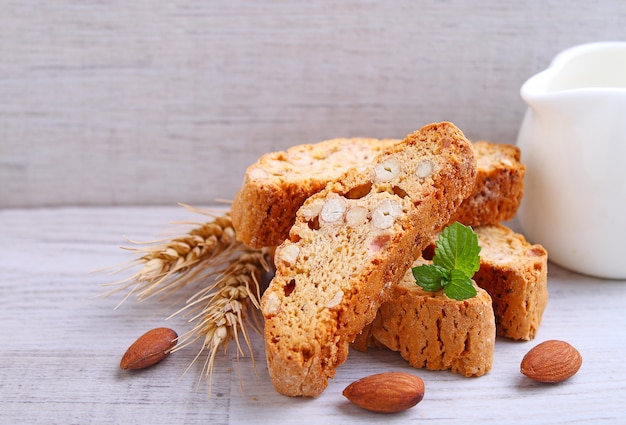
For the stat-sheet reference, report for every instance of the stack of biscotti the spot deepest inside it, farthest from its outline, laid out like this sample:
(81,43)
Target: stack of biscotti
(350,245)
(276,186)
(278,183)
(511,282)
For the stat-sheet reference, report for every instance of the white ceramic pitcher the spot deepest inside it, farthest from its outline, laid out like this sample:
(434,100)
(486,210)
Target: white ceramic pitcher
(573,142)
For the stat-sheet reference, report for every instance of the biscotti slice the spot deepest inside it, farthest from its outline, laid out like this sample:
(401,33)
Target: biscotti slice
(275,186)
(350,245)
(264,208)
(515,274)
(499,186)
(433,331)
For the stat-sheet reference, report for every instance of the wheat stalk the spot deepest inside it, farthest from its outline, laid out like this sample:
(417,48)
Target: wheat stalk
(220,311)
(224,310)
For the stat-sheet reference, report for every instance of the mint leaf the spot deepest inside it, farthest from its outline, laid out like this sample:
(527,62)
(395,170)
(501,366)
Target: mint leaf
(430,277)
(454,264)
(457,249)
(460,286)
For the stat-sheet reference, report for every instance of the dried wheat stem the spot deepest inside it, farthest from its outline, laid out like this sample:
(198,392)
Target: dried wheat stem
(222,310)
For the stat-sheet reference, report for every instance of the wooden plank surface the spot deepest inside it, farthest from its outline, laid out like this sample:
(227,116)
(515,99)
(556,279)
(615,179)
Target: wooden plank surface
(158,102)
(62,342)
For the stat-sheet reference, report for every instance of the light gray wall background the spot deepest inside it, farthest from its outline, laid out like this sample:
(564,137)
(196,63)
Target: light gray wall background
(110,102)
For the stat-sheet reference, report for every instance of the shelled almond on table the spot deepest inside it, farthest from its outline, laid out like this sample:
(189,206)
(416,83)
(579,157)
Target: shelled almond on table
(552,361)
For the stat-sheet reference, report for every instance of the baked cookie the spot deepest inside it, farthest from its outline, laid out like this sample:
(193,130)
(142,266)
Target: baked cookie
(515,274)
(349,247)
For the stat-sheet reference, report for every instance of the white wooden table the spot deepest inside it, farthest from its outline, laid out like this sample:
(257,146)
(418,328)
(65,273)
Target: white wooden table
(62,342)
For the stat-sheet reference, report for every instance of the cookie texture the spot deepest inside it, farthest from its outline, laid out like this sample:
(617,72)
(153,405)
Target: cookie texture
(350,245)
(277,185)
(433,331)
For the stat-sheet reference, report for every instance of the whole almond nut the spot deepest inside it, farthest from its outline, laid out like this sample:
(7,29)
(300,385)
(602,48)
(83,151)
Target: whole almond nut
(551,361)
(333,210)
(385,214)
(149,349)
(387,170)
(387,392)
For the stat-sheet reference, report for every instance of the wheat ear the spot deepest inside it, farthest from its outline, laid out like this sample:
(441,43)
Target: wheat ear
(173,264)
(225,310)
(222,310)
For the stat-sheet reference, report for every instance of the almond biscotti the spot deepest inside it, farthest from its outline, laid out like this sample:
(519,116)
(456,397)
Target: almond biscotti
(275,186)
(433,331)
(350,246)
(515,274)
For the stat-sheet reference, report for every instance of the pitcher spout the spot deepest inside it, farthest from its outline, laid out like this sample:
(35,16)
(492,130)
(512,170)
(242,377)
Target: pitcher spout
(585,69)
(537,88)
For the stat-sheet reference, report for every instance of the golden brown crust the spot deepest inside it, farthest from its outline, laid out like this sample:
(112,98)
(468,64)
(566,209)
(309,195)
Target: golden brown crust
(350,245)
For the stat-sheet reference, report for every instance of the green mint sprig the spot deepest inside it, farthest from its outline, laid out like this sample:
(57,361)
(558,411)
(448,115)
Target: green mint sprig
(455,262)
